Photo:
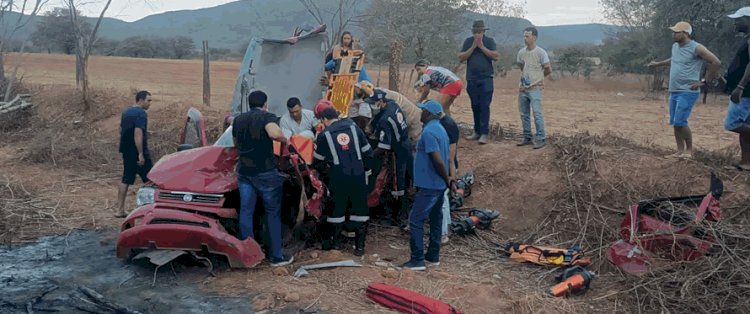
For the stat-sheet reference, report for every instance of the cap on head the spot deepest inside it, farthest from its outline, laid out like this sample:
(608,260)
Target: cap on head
(682,27)
(321,105)
(432,106)
(377,95)
(365,86)
(745,11)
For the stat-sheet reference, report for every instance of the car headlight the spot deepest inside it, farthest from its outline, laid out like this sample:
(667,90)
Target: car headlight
(145,196)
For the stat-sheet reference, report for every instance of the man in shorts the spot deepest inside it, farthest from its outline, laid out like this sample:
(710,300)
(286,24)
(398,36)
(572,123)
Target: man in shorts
(136,158)
(685,82)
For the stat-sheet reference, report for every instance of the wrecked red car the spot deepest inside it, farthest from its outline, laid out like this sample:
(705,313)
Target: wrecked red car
(670,229)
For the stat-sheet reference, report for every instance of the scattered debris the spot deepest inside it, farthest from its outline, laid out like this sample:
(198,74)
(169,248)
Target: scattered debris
(302,271)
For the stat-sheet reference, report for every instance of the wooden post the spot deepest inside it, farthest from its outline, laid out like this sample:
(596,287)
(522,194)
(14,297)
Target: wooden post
(394,65)
(380,69)
(206,76)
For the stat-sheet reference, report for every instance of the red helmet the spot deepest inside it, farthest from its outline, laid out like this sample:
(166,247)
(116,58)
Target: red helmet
(321,105)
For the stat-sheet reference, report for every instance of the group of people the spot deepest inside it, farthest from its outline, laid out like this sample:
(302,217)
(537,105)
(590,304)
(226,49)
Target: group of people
(421,139)
(686,64)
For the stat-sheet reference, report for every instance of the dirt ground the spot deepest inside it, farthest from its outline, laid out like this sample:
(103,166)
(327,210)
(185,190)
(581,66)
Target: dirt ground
(62,176)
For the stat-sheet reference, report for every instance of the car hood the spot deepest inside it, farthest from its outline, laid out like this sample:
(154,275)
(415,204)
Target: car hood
(209,169)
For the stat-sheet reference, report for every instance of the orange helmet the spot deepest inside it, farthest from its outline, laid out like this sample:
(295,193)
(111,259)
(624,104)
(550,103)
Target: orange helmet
(321,105)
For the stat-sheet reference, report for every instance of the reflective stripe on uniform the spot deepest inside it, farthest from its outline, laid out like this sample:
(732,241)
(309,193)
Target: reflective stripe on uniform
(359,218)
(366,148)
(397,193)
(319,156)
(395,129)
(356,142)
(336,220)
(334,153)
(384,146)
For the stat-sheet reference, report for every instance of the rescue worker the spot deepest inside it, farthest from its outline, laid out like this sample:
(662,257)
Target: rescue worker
(412,114)
(390,129)
(340,152)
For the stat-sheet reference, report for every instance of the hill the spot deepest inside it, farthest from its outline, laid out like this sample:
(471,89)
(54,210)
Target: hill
(231,25)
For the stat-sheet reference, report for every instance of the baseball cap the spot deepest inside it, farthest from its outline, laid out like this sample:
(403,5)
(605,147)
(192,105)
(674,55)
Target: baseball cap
(376,96)
(740,13)
(682,27)
(432,106)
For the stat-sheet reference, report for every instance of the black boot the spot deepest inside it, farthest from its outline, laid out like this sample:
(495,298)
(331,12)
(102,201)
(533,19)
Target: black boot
(361,237)
(326,233)
(337,228)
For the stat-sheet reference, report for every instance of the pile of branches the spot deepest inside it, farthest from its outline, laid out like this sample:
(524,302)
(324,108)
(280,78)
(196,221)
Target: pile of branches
(600,187)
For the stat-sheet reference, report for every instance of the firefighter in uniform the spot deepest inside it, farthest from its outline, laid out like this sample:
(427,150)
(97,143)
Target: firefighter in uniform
(340,152)
(390,128)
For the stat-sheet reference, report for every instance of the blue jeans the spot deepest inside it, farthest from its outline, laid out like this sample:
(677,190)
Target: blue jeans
(480,93)
(427,203)
(268,186)
(528,101)
(680,106)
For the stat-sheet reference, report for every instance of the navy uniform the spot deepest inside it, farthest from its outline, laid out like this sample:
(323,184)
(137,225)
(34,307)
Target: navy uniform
(391,131)
(341,149)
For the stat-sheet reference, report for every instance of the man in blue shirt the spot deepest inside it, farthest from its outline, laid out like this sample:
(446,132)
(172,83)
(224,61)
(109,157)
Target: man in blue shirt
(479,51)
(431,179)
(136,159)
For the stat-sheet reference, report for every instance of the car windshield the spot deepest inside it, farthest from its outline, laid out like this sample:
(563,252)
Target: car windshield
(225,140)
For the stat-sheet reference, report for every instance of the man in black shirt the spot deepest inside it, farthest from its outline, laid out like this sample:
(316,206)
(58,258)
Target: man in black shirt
(253,133)
(738,77)
(136,159)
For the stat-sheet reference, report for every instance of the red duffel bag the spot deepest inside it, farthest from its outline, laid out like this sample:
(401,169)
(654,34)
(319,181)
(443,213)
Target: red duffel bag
(406,301)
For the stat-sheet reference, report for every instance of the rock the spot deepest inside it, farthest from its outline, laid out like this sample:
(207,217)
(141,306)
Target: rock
(372,258)
(391,274)
(280,271)
(292,297)
(620,94)
(332,255)
(314,255)
(262,302)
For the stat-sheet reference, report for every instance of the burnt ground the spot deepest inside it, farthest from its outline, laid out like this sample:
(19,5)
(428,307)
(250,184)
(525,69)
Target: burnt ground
(46,276)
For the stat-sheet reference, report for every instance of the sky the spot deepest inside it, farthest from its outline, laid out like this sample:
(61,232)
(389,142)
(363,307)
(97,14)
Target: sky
(539,12)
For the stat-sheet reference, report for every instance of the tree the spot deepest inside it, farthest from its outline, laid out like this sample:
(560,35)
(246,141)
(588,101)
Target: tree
(182,47)
(425,28)
(336,14)
(84,43)
(11,27)
(55,33)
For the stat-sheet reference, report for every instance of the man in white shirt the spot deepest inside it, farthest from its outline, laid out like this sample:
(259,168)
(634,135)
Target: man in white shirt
(298,120)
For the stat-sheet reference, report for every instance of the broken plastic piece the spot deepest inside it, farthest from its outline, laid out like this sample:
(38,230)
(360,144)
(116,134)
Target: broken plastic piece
(302,271)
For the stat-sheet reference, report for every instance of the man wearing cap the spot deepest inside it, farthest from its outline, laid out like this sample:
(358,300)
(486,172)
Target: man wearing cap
(431,179)
(479,51)
(298,120)
(389,125)
(359,110)
(685,82)
(738,77)
(410,110)
(340,153)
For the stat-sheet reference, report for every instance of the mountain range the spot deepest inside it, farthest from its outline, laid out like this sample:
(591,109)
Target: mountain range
(231,25)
